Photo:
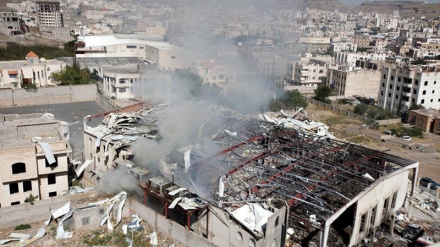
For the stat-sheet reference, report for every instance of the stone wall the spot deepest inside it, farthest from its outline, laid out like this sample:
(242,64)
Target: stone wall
(47,95)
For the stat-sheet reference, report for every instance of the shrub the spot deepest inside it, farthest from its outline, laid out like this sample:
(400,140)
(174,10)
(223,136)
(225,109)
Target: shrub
(22,227)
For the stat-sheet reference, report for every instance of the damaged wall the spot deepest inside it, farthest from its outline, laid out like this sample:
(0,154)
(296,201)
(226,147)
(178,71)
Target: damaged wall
(168,227)
(379,204)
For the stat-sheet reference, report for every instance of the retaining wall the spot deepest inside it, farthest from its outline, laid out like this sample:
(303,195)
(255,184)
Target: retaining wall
(47,95)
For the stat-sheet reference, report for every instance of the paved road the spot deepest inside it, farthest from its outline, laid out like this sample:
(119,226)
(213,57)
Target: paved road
(69,112)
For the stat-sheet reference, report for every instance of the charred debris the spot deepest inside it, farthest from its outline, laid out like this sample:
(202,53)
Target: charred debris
(258,163)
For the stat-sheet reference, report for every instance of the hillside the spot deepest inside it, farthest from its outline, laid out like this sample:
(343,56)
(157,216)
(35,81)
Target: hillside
(405,8)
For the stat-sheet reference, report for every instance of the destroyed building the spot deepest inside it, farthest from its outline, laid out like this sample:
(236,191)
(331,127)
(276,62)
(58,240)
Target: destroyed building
(266,180)
(108,145)
(34,153)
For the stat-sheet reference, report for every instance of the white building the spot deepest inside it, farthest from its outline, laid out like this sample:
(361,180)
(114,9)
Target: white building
(49,14)
(402,87)
(353,58)
(166,56)
(132,81)
(34,70)
(343,46)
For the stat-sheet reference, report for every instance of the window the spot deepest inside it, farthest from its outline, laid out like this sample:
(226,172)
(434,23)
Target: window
(392,78)
(381,93)
(391,86)
(13,188)
(122,90)
(19,167)
(423,101)
(383,84)
(27,186)
(173,57)
(393,201)
(435,82)
(426,83)
(239,236)
(389,94)
(85,221)
(251,242)
(397,96)
(52,194)
(416,82)
(54,164)
(131,46)
(398,88)
(432,100)
(51,179)
(277,221)
(90,141)
(48,68)
(399,79)
(424,92)
(414,91)
(384,76)
(433,91)
(15,203)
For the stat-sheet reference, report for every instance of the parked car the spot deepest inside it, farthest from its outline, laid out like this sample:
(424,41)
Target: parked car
(425,181)
(406,138)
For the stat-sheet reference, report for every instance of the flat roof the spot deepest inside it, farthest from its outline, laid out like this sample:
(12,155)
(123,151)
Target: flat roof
(24,130)
(105,40)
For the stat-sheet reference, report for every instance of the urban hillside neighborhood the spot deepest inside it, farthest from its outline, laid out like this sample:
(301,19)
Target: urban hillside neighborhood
(219,123)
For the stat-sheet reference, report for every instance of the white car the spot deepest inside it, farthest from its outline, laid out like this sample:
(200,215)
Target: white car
(406,138)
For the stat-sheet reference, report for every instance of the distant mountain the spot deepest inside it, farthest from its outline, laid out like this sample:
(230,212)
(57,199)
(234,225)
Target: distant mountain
(405,8)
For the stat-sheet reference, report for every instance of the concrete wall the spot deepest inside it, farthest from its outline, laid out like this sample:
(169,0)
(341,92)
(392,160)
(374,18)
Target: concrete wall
(26,213)
(49,95)
(379,204)
(389,121)
(168,227)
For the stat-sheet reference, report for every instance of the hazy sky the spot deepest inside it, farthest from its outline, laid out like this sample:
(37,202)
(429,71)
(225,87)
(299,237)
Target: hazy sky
(358,2)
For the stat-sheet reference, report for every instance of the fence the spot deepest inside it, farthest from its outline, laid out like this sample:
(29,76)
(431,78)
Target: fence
(337,109)
(47,95)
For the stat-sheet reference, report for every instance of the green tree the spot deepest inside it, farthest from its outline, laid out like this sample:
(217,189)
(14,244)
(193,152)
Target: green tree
(322,92)
(72,75)
(416,107)
(289,100)
(360,109)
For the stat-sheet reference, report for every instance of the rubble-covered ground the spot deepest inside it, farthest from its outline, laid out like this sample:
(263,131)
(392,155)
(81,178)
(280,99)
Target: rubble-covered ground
(95,236)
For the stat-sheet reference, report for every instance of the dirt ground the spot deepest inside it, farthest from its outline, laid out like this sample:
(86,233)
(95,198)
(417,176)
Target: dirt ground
(429,163)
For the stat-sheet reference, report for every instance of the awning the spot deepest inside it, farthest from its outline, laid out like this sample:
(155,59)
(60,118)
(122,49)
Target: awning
(13,72)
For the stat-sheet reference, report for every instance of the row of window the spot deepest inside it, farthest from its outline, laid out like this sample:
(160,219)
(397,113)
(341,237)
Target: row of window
(27,185)
(407,80)
(20,167)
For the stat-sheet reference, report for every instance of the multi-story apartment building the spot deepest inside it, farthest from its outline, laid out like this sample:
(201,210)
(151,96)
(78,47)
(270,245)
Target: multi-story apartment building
(307,74)
(402,87)
(343,46)
(9,22)
(346,82)
(354,59)
(49,14)
(34,153)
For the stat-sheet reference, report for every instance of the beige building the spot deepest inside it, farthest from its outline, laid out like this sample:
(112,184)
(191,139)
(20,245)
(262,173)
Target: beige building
(348,83)
(34,153)
(426,119)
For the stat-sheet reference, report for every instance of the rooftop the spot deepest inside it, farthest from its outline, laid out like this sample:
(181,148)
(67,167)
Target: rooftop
(25,130)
